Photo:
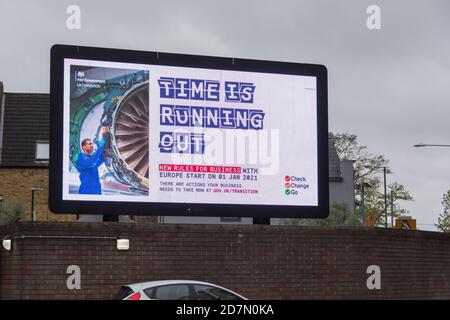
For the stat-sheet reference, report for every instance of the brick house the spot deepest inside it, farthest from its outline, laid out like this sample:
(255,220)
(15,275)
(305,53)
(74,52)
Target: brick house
(24,145)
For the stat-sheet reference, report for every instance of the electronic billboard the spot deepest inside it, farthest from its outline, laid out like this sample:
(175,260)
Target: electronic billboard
(153,133)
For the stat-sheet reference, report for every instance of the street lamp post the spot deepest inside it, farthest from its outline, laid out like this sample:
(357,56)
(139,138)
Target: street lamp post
(392,208)
(33,213)
(419,145)
(363,206)
(385,199)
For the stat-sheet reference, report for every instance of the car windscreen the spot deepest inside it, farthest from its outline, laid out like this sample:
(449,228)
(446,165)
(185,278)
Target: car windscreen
(212,293)
(169,292)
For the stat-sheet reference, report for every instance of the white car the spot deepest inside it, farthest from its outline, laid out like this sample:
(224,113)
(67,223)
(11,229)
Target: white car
(175,290)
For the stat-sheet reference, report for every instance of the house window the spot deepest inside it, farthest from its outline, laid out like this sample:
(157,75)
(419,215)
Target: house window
(42,151)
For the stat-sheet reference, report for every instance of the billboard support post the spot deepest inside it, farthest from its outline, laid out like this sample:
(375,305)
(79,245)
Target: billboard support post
(261,220)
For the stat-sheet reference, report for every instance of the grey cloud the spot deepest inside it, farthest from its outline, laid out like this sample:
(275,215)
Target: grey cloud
(390,86)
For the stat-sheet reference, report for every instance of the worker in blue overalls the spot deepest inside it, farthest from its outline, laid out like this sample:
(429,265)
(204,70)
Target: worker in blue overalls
(87,164)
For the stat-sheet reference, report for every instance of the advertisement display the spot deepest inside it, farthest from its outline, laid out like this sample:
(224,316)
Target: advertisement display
(168,134)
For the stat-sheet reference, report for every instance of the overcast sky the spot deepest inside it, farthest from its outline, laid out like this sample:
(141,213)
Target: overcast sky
(391,87)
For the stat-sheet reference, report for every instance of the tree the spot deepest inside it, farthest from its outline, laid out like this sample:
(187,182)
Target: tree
(444,218)
(367,174)
(10,213)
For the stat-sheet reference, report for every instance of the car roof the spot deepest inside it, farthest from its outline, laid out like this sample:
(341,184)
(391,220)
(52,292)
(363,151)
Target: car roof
(144,285)
(168,282)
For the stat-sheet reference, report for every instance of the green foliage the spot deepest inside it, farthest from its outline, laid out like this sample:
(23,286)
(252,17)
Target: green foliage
(10,213)
(444,218)
(340,215)
(368,171)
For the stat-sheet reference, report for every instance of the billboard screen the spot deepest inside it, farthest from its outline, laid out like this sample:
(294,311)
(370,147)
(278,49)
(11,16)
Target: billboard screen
(168,134)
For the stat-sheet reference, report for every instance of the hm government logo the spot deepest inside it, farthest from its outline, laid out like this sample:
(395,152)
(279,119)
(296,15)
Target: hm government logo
(292,185)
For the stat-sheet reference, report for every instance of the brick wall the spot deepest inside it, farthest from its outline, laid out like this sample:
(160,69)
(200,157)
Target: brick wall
(260,262)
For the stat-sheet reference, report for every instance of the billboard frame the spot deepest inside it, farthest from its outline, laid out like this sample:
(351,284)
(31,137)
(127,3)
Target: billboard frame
(59,206)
